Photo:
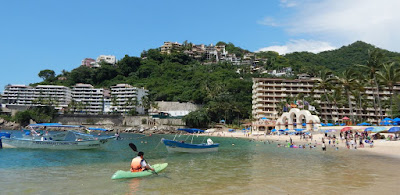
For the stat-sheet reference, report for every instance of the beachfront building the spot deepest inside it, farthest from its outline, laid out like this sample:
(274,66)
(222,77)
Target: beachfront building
(125,97)
(41,95)
(269,92)
(86,99)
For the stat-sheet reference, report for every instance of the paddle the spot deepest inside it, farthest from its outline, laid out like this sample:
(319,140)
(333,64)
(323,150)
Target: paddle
(133,147)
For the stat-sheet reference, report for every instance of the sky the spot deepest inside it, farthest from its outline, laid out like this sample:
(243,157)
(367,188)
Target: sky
(58,35)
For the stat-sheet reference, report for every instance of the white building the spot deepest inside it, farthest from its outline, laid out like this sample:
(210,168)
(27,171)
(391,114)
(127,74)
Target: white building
(124,98)
(106,58)
(22,95)
(87,99)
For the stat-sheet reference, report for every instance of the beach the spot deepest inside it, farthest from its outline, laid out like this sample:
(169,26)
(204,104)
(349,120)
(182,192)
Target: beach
(381,147)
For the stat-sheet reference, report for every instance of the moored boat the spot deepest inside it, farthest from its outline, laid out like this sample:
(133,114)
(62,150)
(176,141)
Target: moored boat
(181,146)
(68,140)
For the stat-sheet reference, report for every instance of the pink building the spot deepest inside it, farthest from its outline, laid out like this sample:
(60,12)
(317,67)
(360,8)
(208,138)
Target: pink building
(89,62)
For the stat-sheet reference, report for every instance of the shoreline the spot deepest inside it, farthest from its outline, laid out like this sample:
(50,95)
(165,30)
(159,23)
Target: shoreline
(381,147)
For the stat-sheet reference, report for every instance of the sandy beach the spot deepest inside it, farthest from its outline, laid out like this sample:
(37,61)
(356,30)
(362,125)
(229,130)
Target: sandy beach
(381,147)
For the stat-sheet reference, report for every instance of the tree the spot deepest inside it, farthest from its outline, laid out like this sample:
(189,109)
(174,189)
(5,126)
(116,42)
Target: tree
(348,82)
(389,76)
(324,83)
(128,65)
(47,74)
(198,118)
(372,65)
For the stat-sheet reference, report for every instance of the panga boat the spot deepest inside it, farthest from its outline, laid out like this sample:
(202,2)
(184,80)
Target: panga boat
(181,146)
(66,140)
(128,174)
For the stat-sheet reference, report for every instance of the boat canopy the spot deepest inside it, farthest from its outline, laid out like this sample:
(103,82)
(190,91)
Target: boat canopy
(191,130)
(54,125)
(97,129)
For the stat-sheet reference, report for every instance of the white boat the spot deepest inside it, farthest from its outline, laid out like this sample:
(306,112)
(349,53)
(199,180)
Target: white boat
(68,140)
(177,146)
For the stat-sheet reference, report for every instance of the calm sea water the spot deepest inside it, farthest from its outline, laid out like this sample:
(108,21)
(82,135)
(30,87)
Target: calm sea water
(243,168)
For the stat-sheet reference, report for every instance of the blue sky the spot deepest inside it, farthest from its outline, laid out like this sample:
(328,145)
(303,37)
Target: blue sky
(57,35)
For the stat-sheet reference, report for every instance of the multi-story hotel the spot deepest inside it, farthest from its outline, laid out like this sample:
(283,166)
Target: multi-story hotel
(84,97)
(58,96)
(88,98)
(267,93)
(124,97)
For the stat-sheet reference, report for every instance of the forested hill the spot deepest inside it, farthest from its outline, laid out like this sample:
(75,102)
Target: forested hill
(224,89)
(336,60)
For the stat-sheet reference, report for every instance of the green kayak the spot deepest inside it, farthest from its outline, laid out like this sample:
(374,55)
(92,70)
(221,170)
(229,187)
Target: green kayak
(127,174)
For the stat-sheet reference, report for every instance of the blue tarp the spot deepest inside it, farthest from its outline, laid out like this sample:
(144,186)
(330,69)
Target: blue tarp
(191,130)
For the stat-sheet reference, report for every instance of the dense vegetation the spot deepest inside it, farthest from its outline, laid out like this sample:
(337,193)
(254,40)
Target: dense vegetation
(224,89)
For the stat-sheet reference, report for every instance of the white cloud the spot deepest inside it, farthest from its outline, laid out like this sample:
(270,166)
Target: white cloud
(345,21)
(268,21)
(300,45)
(288,3)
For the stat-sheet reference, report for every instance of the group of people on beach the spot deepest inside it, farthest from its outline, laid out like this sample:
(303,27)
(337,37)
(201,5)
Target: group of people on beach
(351,139)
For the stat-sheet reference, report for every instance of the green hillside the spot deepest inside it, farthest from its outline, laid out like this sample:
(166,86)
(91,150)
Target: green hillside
(224,91)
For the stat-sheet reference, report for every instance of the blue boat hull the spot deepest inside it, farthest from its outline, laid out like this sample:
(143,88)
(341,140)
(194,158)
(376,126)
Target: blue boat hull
(175,146)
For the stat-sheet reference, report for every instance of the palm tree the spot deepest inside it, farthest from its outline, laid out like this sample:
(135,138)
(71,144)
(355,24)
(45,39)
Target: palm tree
(389,76)
(359,94)
(324,82)
(348,82)
(372,66)
(335,97)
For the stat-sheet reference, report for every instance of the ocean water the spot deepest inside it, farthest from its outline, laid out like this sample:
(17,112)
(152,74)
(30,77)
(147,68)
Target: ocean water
(239,167)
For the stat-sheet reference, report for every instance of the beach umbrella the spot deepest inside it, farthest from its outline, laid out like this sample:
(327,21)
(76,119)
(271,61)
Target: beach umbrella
(273,130)
(385,123)
(304,124)
(369,129)
(387,119)
(396,120)
(394,129)
(377,129)
(329,124)
(298,129)
(346,129)
(264,118)
(286,129)
(345,118)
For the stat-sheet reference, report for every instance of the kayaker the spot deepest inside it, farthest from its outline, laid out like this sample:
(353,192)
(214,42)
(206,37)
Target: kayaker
(138,164)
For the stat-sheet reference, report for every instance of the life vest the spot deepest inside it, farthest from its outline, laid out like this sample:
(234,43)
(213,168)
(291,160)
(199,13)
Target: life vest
(135,165)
